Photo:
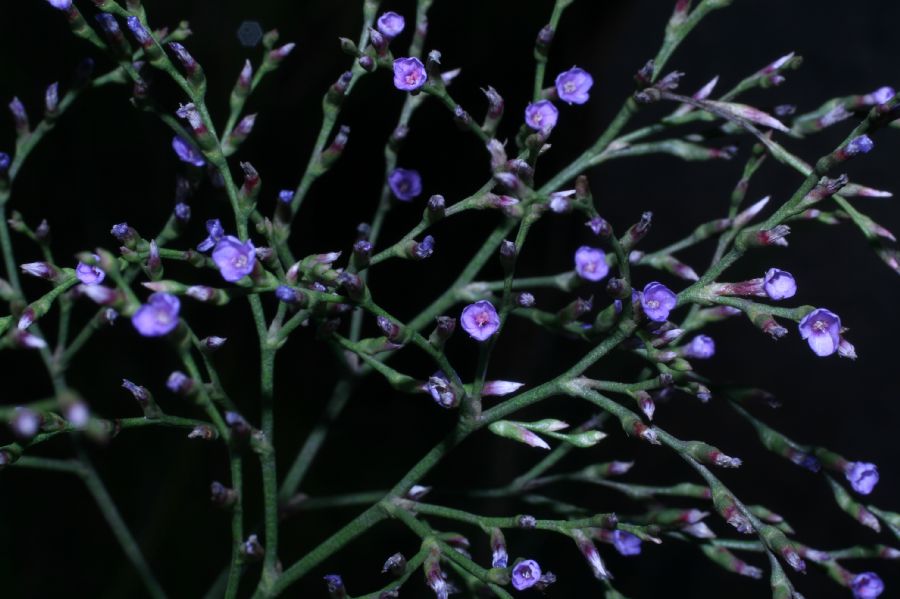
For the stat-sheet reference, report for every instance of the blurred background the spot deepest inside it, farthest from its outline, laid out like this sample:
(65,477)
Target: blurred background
(107,162)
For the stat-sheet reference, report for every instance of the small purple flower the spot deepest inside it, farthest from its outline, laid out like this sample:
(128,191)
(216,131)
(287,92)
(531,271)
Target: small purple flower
(140,33)
(438,386)
(880,95)
(61,4)
(215,230)
(182,212)
(424,248)
(525,574)
(657,301)
(121,231)
(701,347)
(572,86)
(90,274)
(863,476)
(862,144)
(234,258)
(541,115)
(5,161)
(867,585)
(822,330)
(599,226)
(480,320)
(779,284)
(626,543)
(405,183)
(286,294)
(158,317)
(390,24)
(590,263)
(187,152)
(285,196)
(409,74)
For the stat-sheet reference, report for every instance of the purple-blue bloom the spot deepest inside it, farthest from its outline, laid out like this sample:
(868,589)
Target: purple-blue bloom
(158,317)
(572,86)
(657,301)
(541,115)
(822,330)
(701,347)
(480,320)
(424,248)
(234,258)
(182,212)
(186,152)
(390,24)
(5,161)
(525,574)
(216,231)
(405,183)
(140,33)
(867,585)
(863,476)
(590,263)
(61,4)
(285,196)
(90,274)
(120,231)
(409,74)
(626,543)
(779,284)
(286,294)
(862,144)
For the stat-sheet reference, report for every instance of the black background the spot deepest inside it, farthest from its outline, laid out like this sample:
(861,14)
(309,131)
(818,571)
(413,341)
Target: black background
(107,162)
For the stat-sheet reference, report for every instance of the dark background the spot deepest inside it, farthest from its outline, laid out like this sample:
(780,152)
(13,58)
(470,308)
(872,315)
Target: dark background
(108,162)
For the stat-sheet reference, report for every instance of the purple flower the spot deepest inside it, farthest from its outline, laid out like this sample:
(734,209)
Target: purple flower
(158,317)
(234,258)
(779,284)
(405,183)
(525,574)
(862,144)
(215,230)
(880,95)
(599,226)
(424,248)
(863,476)
(90,274)
(438,386)
(590,263)
(541,115)
(61,4)
(5,161)
(409,74)
(285,196)
(121,231)
(140,33)
(626,543)
(572,86)
(186,151)
(867,585)
(700,347)
(822,330)
(657,301)
(182,212)
(390,24)
(480,320)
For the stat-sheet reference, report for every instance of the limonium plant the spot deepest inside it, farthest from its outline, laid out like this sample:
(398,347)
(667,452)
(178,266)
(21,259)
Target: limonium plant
(615,305)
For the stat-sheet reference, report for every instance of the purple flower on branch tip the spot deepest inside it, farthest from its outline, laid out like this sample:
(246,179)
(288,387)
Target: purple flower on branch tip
(701,347)
(590,263)
(779,284)
(409,74)
(657,301)
(541,115)
(235,258)
(158,317)
(186,152)
(863,476)
(438,386)
(405,183)
(480,320)
(867,585)
(60,4)
(90,274)
(525,574)
(626,543)
(285,196)
(390,24)
(216,231)
(880,95)
(572,86)
(822,330)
